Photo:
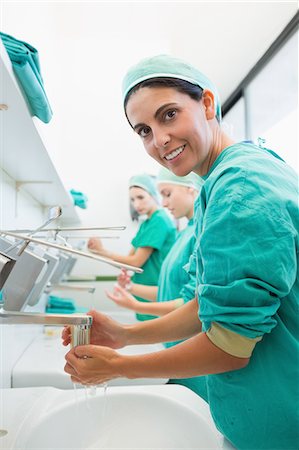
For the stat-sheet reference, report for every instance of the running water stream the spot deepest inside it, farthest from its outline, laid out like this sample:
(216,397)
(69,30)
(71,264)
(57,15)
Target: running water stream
(84,408)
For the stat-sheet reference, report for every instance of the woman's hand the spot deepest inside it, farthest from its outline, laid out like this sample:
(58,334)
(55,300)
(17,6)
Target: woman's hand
(91,364)
(104,331)
(124,279)
(95,245)
(122,298)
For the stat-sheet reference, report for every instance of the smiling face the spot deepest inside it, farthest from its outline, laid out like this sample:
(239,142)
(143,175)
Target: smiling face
(179,200)
(142,201)
(176,130)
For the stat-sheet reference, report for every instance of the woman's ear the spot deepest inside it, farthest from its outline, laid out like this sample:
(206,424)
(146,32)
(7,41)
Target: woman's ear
(209,104)
(191,190)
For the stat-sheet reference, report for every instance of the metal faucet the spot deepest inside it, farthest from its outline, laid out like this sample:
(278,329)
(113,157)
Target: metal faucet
(81,323)
(113,263)
(67,286)
(14,317)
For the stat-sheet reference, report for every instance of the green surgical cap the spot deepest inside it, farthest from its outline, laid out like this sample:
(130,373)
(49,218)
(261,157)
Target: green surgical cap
(167,66)
(146,182)
(190,180)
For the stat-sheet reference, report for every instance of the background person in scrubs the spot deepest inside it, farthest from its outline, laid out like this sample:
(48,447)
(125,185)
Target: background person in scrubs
(175,286)
(243,325)
(154,237)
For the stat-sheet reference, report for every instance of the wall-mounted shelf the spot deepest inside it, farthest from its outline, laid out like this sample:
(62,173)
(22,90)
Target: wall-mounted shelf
(23,154)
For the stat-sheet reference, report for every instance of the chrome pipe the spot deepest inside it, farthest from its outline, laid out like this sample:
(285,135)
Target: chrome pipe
(57,230)
(16,317)
(73,287)
(109,261)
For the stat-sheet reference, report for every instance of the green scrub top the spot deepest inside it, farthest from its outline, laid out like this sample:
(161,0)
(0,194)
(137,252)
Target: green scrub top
(158,232)
(246,253)
(176,282)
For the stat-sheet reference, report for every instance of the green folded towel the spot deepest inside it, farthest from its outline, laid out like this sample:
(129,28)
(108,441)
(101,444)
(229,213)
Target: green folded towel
(25,62)
(81,309)
(60,302)
(61,305)
(78,309)
(79,198)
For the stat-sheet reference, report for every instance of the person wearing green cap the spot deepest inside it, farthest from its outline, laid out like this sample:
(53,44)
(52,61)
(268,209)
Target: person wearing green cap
(153,240)
(176,285)
(178,195)
(242,326)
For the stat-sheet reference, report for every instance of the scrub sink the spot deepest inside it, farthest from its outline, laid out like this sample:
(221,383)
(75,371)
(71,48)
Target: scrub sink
(132,417)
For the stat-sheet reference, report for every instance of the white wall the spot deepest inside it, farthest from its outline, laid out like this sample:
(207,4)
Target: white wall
(17,209)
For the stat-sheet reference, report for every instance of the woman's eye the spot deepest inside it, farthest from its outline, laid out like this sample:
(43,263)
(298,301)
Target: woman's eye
(170,114)
(143,132)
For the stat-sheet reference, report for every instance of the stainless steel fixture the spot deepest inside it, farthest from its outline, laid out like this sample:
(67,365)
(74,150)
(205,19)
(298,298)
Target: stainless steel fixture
(16,317)
(109,261)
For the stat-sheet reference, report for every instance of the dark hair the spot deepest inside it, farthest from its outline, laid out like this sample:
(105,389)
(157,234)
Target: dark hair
(194,91)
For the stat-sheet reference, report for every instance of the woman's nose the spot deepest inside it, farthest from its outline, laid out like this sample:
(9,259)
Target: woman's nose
(161,139)
(164,202)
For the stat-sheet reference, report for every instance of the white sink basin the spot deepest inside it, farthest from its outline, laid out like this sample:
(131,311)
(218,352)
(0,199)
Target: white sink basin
(136,417)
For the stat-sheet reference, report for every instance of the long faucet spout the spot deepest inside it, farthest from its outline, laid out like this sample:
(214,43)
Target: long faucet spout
(16,317)
(73,251)
(67,286)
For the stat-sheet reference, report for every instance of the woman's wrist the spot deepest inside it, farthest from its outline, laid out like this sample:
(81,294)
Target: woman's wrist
(128,334)
(132,304)
(130,366)
(130,287)
(121,366)
(179,302)
(118,366)
(106,254)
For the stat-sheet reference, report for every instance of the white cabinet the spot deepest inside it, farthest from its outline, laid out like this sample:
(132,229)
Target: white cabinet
(23,154)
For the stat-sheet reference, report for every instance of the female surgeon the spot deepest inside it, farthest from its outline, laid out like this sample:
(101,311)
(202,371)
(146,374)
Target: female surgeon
(176,285)
(243,324)
(154,237)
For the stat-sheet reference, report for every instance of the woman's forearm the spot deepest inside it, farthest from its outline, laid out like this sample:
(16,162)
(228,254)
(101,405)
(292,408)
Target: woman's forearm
(157,308)
(124,259)
(135,258)
(179,324)
(144,291)
(195,357)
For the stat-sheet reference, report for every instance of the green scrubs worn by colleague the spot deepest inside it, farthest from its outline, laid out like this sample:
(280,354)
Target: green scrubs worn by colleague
(176,281)
(247,263)
(154,237)
(157,232)
(176,284)
(245,260)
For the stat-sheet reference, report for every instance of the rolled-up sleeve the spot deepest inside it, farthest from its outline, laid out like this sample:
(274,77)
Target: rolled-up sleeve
(230,342)
(245,255)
